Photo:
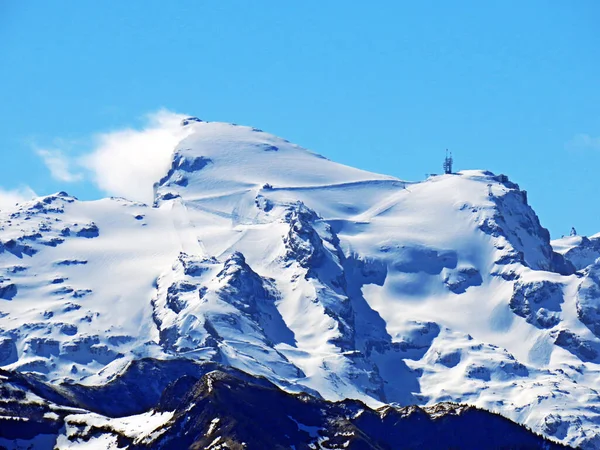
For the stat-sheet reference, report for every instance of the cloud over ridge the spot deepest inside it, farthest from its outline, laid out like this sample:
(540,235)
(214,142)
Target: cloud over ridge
(124,162)
(10,197)
(128,162)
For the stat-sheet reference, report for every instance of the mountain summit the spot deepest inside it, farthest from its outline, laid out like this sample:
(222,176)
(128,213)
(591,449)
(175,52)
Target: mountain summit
(261,257)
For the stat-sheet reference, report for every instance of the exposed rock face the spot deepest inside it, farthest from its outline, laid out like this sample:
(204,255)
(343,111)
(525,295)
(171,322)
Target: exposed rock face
(42,347)
(203,305)
(570,341)
(8,351)
(181,165)
(7,290)
(303,242)
(86,349)
(538,302)
(458,281)
(88,231)
(584,252)
(588,299)
(515,221)
(189,120)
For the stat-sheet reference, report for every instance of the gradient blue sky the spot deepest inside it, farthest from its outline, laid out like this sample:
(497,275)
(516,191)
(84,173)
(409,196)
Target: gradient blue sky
(513,87)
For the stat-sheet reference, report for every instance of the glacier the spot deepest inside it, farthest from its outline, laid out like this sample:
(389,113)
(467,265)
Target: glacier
(264,257)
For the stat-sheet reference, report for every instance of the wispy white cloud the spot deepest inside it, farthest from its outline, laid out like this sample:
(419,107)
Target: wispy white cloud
(59,165)
(128,162)
(10,197)
(584,141)
(124,162)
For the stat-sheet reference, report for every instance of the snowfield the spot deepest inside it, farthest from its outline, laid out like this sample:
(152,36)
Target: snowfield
(262,256)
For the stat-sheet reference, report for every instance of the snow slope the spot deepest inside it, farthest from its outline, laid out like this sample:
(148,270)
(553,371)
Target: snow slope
(265,257)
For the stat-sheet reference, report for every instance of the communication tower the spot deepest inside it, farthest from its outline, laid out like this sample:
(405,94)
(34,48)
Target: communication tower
(448,163)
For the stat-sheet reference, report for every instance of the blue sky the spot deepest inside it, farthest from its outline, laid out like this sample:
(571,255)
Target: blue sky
(512,87)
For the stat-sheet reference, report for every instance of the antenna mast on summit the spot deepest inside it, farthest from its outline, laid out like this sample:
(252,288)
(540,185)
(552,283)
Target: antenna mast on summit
(448,163)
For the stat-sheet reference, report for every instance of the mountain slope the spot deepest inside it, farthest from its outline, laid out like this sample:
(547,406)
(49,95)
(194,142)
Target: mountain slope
(261,256)
(206,408)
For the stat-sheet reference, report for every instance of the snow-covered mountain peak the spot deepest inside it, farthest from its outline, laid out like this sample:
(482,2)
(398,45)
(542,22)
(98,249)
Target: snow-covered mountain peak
(221,158)
(262,256)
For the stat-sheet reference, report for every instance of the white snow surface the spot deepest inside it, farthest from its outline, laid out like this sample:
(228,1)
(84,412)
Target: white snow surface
(142,429)
(269,258)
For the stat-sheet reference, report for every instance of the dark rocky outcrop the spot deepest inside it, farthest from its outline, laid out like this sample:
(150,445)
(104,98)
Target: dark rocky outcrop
(8,351)
(588,299)
(222,407)
(458,281)
(539,302)
(583,349)
(88,231)
(302,240)
(585,253)
(212,405)
(8,291)
(514,220)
